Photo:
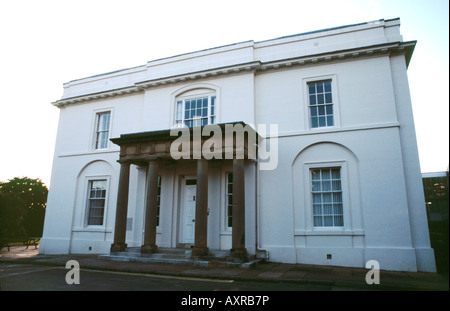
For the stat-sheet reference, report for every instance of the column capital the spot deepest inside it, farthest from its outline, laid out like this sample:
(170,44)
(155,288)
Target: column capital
(124,162)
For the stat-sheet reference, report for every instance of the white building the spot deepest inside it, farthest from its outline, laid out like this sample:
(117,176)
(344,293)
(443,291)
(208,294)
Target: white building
(344,187)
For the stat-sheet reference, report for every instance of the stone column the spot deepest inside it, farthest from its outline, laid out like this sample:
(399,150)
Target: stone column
(201,210)
(151,210)
(238,250)
(121,209)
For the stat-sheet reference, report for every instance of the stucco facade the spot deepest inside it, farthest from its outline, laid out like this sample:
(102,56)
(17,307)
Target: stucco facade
(341,105)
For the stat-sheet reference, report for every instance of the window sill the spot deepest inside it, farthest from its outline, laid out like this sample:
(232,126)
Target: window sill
(92,229)
(330,231)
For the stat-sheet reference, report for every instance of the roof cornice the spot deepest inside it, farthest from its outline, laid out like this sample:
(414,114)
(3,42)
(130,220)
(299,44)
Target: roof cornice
(405,48)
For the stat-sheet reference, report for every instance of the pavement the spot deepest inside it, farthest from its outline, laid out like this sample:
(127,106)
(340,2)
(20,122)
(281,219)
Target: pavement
(336,277)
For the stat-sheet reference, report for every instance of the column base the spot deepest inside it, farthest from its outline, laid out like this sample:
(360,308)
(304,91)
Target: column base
(200,252)
(149,249)
(118,247)
(239,254)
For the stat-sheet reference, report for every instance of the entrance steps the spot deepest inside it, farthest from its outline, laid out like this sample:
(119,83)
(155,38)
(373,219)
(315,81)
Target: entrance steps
(216,258)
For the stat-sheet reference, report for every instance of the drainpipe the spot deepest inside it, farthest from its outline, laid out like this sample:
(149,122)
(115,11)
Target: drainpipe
(257,220)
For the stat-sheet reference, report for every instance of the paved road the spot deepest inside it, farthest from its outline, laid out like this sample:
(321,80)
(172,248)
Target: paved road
(15,277)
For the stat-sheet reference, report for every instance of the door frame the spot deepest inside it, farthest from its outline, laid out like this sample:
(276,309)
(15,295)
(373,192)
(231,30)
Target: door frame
(181,207)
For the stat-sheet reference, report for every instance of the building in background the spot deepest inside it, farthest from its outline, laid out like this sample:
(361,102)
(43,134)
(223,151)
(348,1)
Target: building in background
(435,186)
(340,185)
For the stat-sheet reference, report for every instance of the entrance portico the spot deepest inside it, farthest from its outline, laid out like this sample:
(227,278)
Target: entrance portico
(153,151)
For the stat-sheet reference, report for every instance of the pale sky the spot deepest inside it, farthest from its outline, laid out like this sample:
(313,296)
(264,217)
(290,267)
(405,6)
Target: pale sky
(46,43)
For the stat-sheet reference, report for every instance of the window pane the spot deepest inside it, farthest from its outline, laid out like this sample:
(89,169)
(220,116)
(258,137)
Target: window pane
(336,185)
(102,130)
(322,121)
(326,185)
(319,87)
(336,173)
(329,109)
(158,201)
(317,209)
(338,221)
(320,95)
(102,140)
(327,197)
(337,197)
(101,121)
(198,111)
(317,221)
(313,111)
(328,209)
(179,110)
(321,110)
(330,121)
(320,99)
(315,174)
(337,209)
(229,197)
(230,178)
(317,198)
(106,117)
(212,105)
(316,186)
(97,195)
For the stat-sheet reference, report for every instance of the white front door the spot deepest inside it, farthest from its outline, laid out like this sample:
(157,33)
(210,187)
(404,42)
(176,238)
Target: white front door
(187,230)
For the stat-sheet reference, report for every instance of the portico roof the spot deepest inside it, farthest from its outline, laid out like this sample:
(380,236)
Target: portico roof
(223,141)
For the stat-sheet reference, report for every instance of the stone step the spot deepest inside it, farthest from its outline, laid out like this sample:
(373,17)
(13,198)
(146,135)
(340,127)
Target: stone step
(216,258)
(184,261)
(136,251)
(147,259)
(181,251)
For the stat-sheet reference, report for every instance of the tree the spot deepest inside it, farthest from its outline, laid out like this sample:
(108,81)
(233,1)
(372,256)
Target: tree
(22,207)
